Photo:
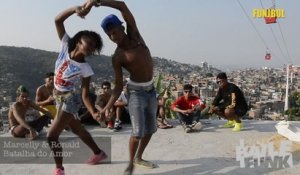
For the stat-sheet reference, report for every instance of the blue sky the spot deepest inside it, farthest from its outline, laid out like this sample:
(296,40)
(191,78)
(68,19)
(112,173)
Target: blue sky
(190,31)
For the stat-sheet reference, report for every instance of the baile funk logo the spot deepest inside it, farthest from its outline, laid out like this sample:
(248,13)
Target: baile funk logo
(264,155)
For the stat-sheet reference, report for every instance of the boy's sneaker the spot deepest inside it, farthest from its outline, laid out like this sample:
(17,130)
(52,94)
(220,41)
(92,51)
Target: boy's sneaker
(59,171)
(96,158)
(187,130)
(144,164)
(229,124)
(197,126)
(237,127)
(117,126)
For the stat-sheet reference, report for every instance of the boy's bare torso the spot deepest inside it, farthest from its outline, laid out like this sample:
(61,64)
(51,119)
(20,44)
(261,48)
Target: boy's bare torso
(45,93)
(137,60)
(22,110)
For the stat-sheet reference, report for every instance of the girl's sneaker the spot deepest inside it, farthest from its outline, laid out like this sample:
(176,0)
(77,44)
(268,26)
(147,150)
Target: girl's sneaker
(59,171)
(96,158)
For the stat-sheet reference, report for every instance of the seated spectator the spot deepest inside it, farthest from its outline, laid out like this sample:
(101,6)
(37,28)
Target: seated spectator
(84,115)
(19,127)
(44,95)
(161,115)
(108,118)
(122,114)
(188,109)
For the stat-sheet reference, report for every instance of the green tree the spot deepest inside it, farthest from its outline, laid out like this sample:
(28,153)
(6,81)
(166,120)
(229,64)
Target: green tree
(158,84)
(294,107)
(209,75)
(169,112)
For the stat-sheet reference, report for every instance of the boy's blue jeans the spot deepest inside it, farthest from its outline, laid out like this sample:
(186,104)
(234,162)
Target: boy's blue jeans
(189,119)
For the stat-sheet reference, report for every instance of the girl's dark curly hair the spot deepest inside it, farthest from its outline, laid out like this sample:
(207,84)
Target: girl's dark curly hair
(90,34)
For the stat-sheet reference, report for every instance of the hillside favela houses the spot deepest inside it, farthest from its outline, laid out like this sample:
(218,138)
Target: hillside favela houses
(264,89)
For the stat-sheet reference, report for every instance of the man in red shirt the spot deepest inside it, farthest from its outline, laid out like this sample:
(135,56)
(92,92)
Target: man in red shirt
(188,109)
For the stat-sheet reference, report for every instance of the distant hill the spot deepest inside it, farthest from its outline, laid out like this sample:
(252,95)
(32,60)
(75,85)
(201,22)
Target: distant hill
(27,66)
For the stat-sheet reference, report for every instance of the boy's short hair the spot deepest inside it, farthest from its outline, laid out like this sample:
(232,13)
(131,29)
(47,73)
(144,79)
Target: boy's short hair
(222,75)
(106,83)
(188,87)
(21,89)
(49,74)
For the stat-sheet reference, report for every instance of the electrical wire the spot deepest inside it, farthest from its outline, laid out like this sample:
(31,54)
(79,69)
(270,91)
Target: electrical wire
(254,27)
(275,38)
(252,24)
(284,41)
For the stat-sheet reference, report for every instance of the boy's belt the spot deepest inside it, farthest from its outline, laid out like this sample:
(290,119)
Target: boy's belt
(140,88)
